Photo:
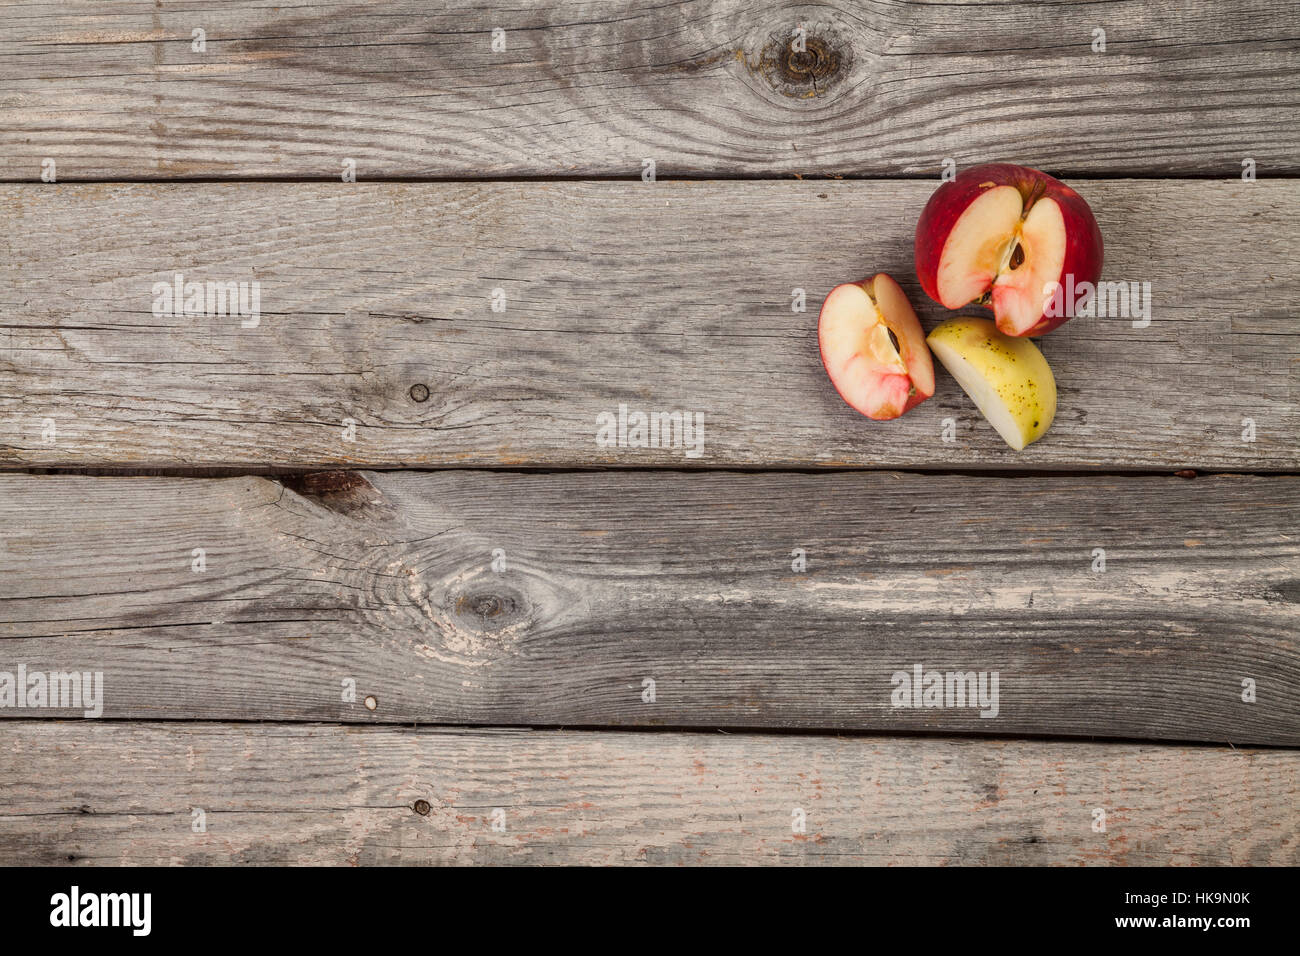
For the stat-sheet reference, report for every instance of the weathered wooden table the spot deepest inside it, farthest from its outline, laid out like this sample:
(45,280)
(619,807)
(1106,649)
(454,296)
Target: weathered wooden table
(361,584)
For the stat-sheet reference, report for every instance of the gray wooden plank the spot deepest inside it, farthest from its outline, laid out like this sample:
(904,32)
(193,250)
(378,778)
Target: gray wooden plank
(271,794)
(468,597)
(663,297)
(113,90)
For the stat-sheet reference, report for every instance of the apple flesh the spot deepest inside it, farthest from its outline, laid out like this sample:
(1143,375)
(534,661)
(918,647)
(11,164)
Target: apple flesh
(1006,377)
(880,375)
(1008,236)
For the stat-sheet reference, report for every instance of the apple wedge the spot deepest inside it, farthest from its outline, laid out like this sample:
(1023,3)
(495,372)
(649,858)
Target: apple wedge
(1006,377)
(1012,238)
(874,349)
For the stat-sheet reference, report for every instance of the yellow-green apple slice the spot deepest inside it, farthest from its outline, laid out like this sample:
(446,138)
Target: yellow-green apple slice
(879,374)
(1006,377)
(1010,237)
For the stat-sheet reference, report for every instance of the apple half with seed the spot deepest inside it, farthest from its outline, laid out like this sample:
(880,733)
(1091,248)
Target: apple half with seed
(874,349)
(1012,238)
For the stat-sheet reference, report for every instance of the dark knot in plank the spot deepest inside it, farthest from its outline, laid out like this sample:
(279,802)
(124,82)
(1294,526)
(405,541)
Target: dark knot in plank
(806,66)
(470,615)
(320,483)
(490,610)
(816,61)
(344,492)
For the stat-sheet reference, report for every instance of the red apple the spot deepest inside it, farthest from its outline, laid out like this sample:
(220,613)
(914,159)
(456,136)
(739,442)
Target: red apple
(1008,236)
(879,375)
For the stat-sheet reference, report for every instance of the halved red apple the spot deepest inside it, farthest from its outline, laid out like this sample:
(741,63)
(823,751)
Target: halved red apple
(879,374)
(1009,237)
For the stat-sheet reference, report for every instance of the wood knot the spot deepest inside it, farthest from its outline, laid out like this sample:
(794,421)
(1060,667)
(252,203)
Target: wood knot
(419,393)
(816,61)
(321,483)
(347,493)
(804,66)
(421,807)
(489,610)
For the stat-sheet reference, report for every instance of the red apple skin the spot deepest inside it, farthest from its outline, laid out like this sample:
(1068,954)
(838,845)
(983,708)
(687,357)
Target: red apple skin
(1083,252)
(945,207)
(895,393)
(1083,248)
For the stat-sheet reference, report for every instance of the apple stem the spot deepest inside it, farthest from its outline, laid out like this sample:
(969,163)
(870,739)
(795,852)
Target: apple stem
(1035,193)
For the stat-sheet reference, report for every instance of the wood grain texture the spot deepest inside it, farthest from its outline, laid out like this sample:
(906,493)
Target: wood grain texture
(664,297)
(605,580)
(125,794)
(114,90)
